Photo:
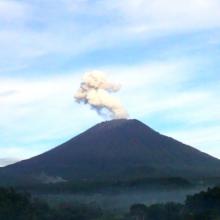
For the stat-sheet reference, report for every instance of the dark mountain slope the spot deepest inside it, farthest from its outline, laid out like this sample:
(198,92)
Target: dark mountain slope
(118,149)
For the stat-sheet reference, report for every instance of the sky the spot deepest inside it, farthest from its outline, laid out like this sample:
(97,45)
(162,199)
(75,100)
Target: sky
(165,54)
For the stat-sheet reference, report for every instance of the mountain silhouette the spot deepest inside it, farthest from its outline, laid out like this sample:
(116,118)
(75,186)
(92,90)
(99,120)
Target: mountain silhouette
(118,149)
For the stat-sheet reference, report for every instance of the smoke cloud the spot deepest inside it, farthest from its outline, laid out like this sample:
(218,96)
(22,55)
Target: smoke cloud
(96,91)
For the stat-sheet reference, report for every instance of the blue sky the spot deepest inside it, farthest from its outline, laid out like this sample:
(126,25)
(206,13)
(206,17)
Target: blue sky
(164,53)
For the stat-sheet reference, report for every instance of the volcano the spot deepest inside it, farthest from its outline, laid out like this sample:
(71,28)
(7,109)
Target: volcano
(118,149)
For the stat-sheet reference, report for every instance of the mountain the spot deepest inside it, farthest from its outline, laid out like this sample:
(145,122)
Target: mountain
(116,149)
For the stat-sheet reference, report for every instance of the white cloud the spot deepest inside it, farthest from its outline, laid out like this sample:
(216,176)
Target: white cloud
(42,111)
(154,73)
(14,154)
(6,161)
(12,11)
(81,26)
(171,14)
(205,138)
(39,114)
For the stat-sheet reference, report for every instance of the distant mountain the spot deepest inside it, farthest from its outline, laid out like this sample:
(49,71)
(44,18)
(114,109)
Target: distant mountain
(117,149)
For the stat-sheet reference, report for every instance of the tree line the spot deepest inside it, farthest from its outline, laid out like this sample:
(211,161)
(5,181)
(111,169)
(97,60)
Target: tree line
(16,205)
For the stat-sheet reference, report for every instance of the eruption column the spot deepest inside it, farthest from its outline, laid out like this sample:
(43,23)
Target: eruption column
(96,91)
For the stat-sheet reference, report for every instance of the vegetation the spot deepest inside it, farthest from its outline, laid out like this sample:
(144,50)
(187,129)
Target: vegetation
(201,206)
(21,206)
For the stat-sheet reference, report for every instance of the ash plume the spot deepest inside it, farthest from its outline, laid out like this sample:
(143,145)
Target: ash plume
(96,91)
